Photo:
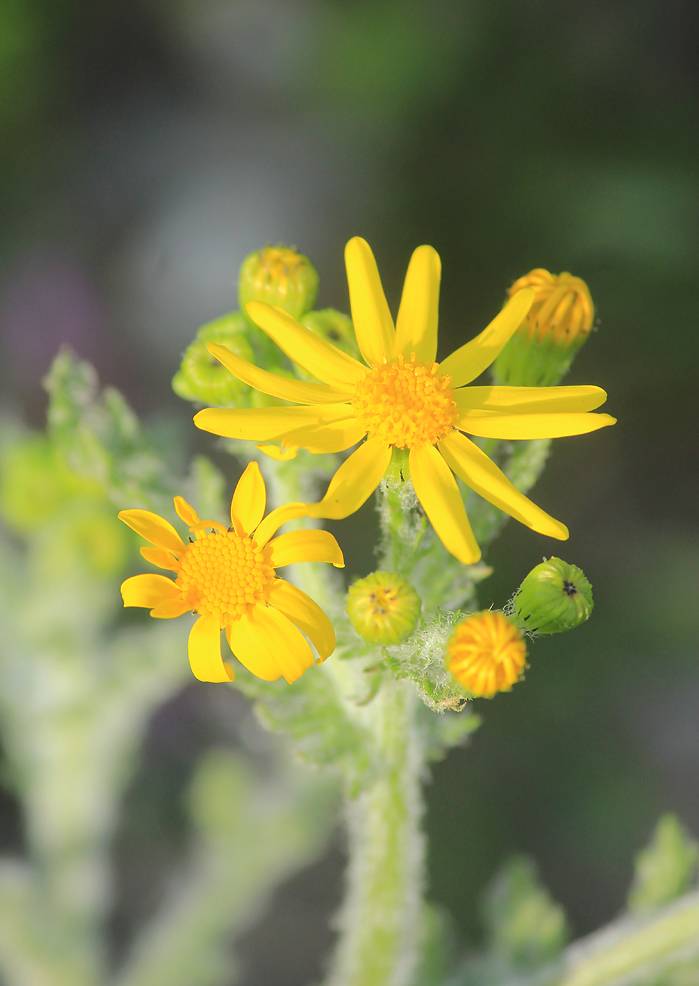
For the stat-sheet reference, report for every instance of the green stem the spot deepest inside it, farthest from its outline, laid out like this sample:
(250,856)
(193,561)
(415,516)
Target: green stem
(380,919)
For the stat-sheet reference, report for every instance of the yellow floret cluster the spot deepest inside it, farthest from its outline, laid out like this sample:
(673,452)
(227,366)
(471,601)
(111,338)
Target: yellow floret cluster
(223,574)
(562,308)
(486,654)
(405,403)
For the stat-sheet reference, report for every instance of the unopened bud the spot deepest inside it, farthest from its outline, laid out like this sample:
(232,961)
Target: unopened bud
(201,378)
(486,654)
(383,607)
(278,276)
(540,352)
(554,597)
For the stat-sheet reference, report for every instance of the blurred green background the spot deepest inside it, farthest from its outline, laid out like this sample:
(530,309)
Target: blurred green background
(148,145)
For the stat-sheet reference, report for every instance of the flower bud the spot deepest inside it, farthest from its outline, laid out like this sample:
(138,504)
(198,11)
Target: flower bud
(334,327)
(383,608)
(555,596)
(486,654)
(540,352)
(278,276)
(201,377)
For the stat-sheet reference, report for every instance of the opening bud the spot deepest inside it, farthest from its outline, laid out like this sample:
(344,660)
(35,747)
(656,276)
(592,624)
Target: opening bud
(554,597)
(558,324)
(383,607)
(486,654)
(279,276)
(201,377)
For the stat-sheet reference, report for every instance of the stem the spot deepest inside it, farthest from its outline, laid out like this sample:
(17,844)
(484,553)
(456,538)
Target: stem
(380,919)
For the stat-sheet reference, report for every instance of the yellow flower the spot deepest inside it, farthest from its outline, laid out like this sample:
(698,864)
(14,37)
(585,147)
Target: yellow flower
(562,309)
(227,576)
(403,399)
(486,654)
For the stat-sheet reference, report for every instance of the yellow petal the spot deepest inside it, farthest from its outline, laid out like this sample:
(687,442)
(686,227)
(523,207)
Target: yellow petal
(468,362)
(334,436)
(354,481)
(372,320)
(163,559)
(276,386)
(437,491)
(308,350)
(246,648)
(249,500)
(416,325)
(274,520)
(149,590)
(205,651)
(529,400)
(482,475)
(267,424)
(490,424)
(171,608)
(154,529)
(312,545)
(306,614)
(271,637)
(185,512)
(283,454)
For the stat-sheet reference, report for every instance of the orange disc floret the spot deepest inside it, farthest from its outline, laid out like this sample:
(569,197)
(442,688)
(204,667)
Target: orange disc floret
(405,403)
(562,307)
(224,574)
(486,654)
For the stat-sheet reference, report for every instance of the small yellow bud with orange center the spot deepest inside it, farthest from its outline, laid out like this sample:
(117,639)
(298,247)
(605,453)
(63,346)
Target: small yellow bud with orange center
(557,325)
(278,275)
(486,654)
(383,607)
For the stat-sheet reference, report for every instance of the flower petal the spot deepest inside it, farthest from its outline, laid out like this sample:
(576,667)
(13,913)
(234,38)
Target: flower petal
(185,512)
(149,590)
(416,325)
(482,475)
(274,520)
(354,481)
(372,320)
(267,423)
(310,351)
(276,386)
(259,660)
(271,637)
(306,614)
(333,437)
(161,558)
(205,651)
(249,500)
(490,424)
(468,362)
(528,400)
(311,545)
(154,529)
(437,491)
(283,454)
(171,608)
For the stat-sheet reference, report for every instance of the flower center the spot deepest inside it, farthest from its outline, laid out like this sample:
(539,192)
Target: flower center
(486,654)
(407,404)
(224,575)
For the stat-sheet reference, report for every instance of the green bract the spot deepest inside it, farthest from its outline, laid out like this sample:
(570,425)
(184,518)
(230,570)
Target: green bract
(555,596)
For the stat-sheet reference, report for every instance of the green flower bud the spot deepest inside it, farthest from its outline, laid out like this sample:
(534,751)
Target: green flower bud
(383,608)
(201,378)
(555,596)
(278,276)
(665,868)
(540,352)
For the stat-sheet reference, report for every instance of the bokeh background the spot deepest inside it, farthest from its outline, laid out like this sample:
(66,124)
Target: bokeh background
(146,146)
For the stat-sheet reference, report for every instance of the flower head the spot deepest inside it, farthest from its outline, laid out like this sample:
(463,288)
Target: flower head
(486,654)
(383,607)
(281,276)
(562,309)
(401,398)
(555,596)
(228,576)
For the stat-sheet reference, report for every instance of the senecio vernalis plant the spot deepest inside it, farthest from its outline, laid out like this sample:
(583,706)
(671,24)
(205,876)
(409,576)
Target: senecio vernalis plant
(367,682)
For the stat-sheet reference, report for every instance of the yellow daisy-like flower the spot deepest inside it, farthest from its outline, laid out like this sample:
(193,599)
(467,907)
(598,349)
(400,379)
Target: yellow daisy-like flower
(228,577)
(403,399)
(486,654)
